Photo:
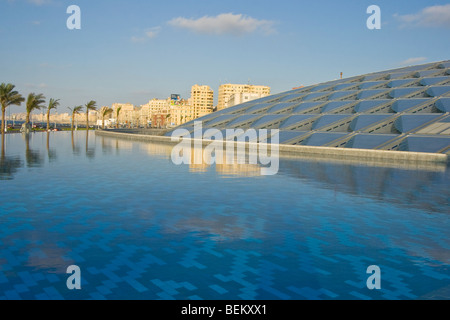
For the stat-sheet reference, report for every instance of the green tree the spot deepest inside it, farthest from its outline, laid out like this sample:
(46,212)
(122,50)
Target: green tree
(76,110)
(105,111)
(90,106)
(53,104)
(8,97)
(34,102)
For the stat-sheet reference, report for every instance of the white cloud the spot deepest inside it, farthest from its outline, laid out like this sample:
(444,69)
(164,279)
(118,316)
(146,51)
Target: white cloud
(149,34)
(225,23)
(412,61)
(153,32)
(40,2)
(434,16)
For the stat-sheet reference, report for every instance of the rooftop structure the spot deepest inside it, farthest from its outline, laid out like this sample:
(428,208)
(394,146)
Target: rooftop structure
(406,109)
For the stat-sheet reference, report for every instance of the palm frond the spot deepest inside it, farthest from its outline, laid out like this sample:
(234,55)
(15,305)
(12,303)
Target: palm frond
(8,96)
(53,104)
(91,105)
(35,102)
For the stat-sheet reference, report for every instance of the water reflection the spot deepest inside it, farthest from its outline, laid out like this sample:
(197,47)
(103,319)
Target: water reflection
(75,147)
(52,156)
(90,151)
(33,158)
(8,164)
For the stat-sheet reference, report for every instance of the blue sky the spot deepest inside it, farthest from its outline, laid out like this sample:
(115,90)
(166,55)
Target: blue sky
(133,51)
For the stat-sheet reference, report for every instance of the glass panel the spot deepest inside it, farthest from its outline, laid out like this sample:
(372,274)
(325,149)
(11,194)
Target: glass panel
(328,119)
(221,120)
(436,91)
(315,95)
(432,81)
(364,106)
(366,94)
(335,105)
(369,141)
(444,65)
(265,120)
(285,107)
(399,83)
(322,138)
(259,108)
(425,144)
(292,120)
(443,104)
(401,92)
(341,94)
(303,107)
(291,97)
(402,105)
(287,136)
(411,122)
(368,85)
(364,121)
(321,87)
(344,86)
(397,75)
(242,119)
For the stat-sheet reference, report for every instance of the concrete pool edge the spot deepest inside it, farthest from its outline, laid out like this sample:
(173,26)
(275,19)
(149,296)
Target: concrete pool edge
(313,152)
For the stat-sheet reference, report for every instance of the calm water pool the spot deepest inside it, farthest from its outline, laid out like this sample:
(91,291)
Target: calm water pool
(140,227)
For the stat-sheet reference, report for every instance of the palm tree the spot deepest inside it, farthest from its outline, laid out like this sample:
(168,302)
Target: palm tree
(8,97)
(104,111)
(53,104)
(76,110)
(117,116)
(34,102)
(90,106)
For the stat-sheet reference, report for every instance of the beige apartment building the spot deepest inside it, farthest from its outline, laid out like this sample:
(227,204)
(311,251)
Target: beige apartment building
(127,116)
(202,99)
(227,91)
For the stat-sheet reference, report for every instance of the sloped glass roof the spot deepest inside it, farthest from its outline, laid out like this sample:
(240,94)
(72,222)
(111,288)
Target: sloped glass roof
(404,108)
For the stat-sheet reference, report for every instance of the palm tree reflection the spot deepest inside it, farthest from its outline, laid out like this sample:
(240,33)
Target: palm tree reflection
(32,157)
(90,152)
(75,147)
(8,165)
(51,152)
